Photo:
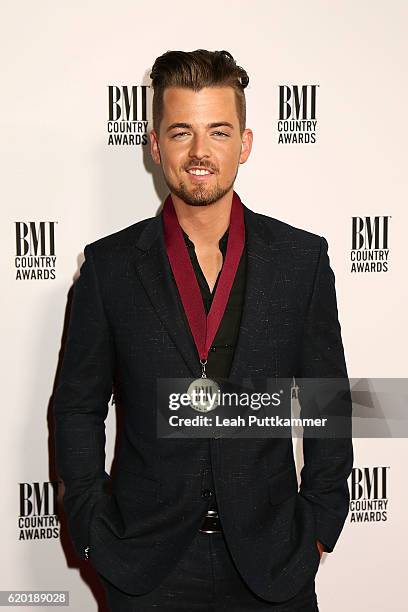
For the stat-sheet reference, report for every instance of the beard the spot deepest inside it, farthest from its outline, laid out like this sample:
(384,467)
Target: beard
(199,195)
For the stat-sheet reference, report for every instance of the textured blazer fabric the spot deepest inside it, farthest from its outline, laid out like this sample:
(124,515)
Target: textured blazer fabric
(126,330)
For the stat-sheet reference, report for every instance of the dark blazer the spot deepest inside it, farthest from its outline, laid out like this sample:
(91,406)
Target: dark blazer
(126,329)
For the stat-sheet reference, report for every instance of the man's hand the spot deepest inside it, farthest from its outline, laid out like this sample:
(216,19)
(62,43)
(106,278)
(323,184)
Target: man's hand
(320,548)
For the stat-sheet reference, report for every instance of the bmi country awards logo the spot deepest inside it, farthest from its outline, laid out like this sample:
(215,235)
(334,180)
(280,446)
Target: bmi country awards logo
(297,114)
(370,245)
(127,121)
(38,518)
(369,494)
(35,250)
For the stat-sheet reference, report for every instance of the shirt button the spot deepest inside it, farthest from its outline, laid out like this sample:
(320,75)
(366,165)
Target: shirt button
(206,493)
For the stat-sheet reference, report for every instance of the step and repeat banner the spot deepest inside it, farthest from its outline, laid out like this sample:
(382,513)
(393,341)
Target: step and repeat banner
(327,103)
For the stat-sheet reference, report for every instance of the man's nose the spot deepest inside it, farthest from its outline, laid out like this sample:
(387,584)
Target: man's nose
(199,147)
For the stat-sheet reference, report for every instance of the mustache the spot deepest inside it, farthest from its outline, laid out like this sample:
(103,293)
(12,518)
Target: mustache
(200,164)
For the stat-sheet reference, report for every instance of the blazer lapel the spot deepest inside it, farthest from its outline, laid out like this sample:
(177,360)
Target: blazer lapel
(153,268)
(251,352)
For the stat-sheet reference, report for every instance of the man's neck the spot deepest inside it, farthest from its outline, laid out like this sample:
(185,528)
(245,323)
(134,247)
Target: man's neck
(204,225)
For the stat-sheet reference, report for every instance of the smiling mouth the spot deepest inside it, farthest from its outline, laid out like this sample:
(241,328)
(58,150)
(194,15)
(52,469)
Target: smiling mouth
(199,171)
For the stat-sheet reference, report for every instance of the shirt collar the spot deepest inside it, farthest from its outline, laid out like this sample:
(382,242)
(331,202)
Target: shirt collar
(222,243)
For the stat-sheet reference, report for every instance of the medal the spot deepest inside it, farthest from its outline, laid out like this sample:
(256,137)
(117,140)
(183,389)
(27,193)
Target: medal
(204,394)
(203,391)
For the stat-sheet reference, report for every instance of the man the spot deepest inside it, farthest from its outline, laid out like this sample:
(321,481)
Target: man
(200,524)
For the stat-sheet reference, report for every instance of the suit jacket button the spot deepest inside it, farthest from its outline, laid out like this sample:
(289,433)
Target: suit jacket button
(206,493)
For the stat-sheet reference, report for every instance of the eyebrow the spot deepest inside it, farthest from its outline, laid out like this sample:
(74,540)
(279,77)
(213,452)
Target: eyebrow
(188,126)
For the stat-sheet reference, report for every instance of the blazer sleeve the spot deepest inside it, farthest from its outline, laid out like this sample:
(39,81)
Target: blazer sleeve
(328,461)
(80,404)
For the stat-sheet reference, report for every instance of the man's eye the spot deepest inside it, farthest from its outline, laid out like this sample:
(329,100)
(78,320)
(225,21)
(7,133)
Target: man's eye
(179,134)
(220,134)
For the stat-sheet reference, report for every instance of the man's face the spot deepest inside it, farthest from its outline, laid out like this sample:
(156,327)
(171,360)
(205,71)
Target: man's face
(199,144)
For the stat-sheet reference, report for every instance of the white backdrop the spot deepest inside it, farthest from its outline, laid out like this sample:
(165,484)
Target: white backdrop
(57,61)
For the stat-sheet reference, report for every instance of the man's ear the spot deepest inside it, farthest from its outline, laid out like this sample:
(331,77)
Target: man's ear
(247,138)
(154,147)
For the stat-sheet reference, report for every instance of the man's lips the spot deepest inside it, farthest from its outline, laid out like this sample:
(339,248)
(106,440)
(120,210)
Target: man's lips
(199,175)
(199,171)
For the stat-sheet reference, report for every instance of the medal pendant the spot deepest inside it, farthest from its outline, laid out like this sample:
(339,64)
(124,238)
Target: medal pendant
(204,394)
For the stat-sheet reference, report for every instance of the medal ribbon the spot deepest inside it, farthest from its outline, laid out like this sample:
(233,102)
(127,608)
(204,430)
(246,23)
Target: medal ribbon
(203,327)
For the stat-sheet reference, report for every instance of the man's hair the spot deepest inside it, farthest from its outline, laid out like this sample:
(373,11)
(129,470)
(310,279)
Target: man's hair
(195,70)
